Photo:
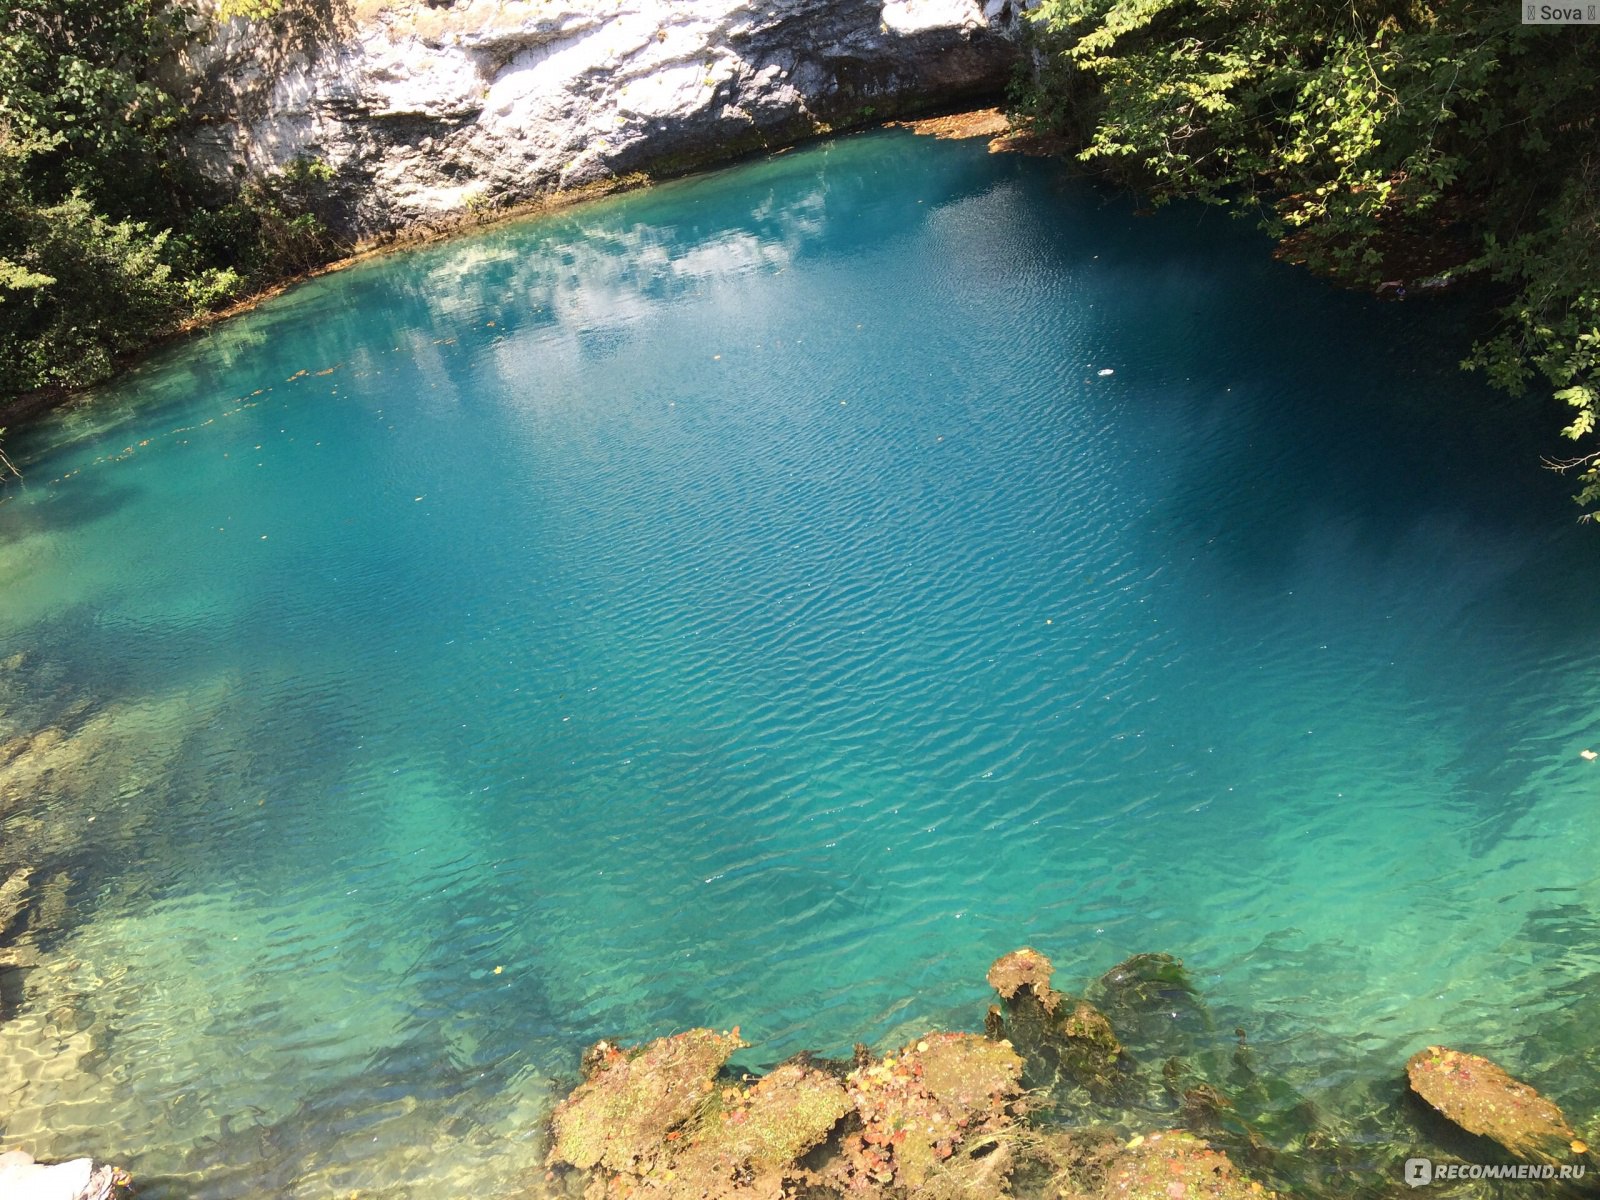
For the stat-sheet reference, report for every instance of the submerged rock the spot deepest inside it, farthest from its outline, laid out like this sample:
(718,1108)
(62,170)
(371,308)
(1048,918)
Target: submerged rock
(1146,977)
(1071,1037)
(13,897)
(1174,1165)
(1481,1098)
(1154,1006)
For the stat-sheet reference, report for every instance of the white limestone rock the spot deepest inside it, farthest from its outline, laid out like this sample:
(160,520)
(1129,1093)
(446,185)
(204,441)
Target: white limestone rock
(428,107)
(23,1179)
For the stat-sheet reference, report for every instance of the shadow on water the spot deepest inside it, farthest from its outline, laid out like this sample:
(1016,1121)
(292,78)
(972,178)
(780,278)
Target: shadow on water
(24,516)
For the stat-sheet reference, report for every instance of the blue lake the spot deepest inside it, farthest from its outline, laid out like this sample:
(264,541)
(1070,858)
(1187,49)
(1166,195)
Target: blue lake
(765,599)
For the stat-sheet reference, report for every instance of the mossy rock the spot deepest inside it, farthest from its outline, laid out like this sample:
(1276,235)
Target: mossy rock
(1090,1051)
(1065,1039)
(750,1140)
(1173,1165)
(918,1108)
(1146,981)
(1482,1098)
(619,1118)
(1154,1006)
(1021,973)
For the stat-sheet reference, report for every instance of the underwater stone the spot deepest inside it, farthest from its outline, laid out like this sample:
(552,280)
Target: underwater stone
(1145,980)
(1079,1041)
(1481,1098)
(1153,1005)
(1174,1165)
(13,897)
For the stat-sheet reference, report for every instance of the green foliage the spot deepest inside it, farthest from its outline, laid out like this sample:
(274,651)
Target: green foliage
(254,10)
(78,84)
(1379,139)
(107,239)
(64,332)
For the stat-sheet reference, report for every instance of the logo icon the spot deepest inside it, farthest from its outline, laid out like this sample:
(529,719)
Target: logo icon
(1419,1171)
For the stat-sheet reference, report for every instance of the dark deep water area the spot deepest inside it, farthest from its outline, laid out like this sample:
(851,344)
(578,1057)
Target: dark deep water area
(765,599)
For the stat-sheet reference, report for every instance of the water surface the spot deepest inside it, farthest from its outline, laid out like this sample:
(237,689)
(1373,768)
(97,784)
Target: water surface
(764,600)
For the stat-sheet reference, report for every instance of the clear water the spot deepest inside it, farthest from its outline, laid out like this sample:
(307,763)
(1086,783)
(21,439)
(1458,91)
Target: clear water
(749,602)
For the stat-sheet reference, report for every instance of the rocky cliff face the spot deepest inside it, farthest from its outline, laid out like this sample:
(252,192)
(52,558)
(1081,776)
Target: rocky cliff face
(428,108)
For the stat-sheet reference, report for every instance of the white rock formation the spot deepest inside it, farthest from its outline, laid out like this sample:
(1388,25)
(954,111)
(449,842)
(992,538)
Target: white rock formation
(23,1179)
(429,107)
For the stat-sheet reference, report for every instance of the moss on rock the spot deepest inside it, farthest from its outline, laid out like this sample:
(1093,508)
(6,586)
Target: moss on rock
(1071,1038)
(1482,1098)
(918,1106)
(750,1141)
(620,1117)
(1022,973)
(1174,1165)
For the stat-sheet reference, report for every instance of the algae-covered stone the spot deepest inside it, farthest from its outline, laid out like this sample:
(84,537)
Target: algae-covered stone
(919,1106)
(1090,1051)
(1023,971)
(752,1138)
(1146,976)
(620,1116)
(1173,1165)
(1153,1004)
(1149,984)
(1481,1098)
(1068,1038)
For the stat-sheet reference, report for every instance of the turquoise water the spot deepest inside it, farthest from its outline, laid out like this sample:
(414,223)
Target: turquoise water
(752,601)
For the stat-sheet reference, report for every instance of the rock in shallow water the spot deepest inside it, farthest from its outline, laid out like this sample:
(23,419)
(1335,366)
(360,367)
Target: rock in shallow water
(938,1114)
(621,1115)
(1481,1098)
(1071,1038)
(1175,1165)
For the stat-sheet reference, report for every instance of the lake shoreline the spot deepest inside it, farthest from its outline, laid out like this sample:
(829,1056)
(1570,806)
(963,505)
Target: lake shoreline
(974,117)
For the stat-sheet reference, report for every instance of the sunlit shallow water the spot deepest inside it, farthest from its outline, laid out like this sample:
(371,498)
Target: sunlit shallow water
(764,600)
